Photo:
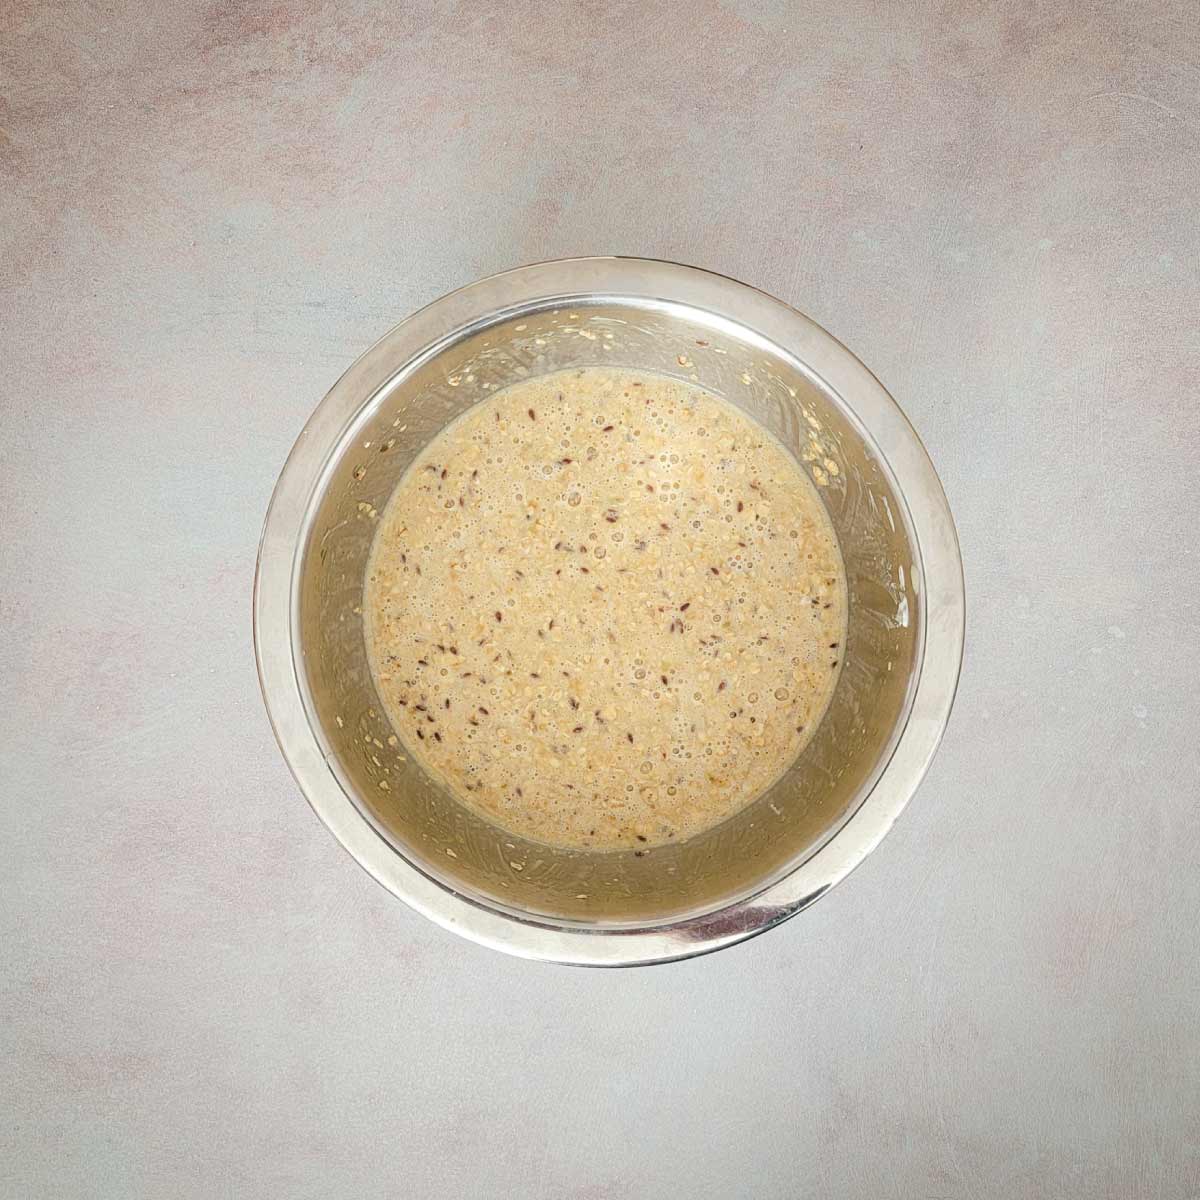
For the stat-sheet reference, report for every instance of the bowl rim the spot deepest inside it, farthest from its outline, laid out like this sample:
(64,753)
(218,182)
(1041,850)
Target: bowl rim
(819,354)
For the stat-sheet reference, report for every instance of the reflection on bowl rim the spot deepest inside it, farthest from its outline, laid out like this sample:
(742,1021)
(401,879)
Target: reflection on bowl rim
(790,334)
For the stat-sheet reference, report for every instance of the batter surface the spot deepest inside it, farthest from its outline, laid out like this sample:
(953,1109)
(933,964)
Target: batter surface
(606,608)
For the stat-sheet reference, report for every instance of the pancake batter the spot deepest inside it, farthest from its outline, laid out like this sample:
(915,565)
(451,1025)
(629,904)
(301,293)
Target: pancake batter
(605,608)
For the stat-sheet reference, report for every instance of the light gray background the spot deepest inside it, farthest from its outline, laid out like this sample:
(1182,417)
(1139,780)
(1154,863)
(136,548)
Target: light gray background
(207,211)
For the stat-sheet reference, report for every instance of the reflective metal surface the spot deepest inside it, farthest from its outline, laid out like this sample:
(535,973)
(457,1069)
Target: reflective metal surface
(904,643)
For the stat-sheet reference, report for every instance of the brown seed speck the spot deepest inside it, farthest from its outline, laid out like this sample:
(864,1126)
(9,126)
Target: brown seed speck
(685,607)
(577,729)
(607,429)
(629,738)
(499,615)
(640,838)
(437,736)
(532,415)
(714,570)
(484,711)
(740,506)
(444,473)
(664,679)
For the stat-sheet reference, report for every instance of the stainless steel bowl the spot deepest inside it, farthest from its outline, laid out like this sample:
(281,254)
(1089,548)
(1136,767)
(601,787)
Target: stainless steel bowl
(904,642)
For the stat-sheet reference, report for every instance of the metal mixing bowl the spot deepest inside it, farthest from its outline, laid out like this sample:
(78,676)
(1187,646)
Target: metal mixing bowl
(902,657)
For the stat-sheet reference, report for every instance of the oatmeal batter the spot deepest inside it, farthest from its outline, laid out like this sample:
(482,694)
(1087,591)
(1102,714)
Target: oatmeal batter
(606,608)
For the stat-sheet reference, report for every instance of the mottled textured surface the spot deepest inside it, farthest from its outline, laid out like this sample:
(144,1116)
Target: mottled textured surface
(206,211)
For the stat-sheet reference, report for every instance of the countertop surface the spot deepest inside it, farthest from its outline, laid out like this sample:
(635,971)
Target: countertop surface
(207,211)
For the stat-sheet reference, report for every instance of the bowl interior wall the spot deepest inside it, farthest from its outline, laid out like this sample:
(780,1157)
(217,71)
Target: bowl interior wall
(807,804)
